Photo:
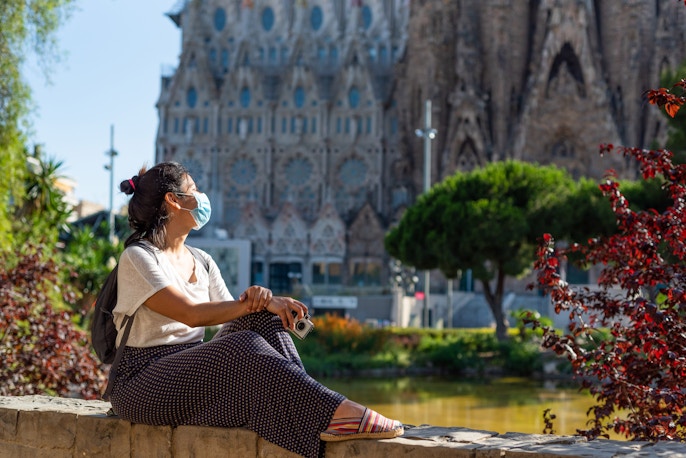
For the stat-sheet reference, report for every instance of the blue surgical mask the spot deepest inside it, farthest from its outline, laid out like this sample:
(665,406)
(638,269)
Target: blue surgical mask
(202,212)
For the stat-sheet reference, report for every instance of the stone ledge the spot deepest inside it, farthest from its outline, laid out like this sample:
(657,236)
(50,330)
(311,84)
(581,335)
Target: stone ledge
(43,426)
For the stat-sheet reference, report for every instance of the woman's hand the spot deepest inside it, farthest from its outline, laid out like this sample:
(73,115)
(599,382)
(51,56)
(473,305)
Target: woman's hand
(284,307)
(256,298)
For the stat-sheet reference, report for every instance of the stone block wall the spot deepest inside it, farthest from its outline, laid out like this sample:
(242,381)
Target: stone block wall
(42,426)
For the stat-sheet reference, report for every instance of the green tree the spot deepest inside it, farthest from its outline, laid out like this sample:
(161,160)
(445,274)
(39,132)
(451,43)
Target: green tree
(25,26)
(487,220)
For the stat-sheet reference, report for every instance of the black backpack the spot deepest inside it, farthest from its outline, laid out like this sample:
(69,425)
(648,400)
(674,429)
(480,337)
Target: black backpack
(102,328)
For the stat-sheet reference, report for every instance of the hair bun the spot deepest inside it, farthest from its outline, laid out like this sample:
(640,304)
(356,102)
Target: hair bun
(128,187)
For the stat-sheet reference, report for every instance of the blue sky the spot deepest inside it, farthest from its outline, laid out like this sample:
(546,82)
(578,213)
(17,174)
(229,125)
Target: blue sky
(112,53)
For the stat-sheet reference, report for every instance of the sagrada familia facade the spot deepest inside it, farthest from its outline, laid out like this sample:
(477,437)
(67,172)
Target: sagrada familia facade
(298,117)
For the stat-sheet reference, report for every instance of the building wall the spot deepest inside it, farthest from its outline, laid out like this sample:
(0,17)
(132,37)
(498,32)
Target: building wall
(298,117)
(282,111)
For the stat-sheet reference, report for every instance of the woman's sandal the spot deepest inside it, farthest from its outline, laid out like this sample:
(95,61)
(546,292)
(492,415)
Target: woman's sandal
(372,425)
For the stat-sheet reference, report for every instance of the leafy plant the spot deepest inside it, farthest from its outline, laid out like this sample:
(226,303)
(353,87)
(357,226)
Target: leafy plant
(41,351)
(89,257)
(638,374)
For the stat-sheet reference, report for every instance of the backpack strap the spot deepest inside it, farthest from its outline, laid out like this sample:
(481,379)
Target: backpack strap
(114,368)
(196,254)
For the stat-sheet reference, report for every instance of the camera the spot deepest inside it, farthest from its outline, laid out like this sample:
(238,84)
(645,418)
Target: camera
(303,326)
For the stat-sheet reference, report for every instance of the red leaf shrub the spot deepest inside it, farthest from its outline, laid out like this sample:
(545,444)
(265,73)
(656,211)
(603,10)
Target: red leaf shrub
(638,376)
(41,350)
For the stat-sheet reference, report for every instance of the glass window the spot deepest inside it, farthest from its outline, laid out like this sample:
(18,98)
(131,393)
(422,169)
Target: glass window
(354,97)
(225,59)
(284,123)
(165,126)
(334,55)
(284,276)
(176,125)
(229,126)
(319,273)
(321,53)
(335,273)
(257,274)
(259,125)
(326,274)
(245,97)
(338,125)
(219,19)
(299,97)
(205,125)
(243,172)
(576,276)
(347,125)
(316,17)
(191,97)
(366,16)
(219,125)
(353,173)
(366,274)
(383,54)
(272,55)
(369,124)
(213,56)
(304,121)
(267,18)
(314,125)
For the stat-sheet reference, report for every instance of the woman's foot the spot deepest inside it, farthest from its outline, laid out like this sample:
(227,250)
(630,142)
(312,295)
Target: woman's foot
(371,425)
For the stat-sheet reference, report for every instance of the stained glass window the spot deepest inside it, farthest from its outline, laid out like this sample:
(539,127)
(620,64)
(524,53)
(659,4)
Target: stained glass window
(219,19)
(354,97)
(191,97)
(267,18)
(316,17)
(299,97)
(243,171)
(245,97)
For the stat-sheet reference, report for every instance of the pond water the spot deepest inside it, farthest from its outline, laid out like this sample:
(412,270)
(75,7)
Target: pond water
(500,405)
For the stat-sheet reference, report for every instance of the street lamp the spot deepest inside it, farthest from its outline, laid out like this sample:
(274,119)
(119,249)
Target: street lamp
(111,153)
(428,134)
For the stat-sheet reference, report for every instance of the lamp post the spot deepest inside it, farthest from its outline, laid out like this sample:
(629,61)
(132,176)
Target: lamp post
(111,153)
(428,134)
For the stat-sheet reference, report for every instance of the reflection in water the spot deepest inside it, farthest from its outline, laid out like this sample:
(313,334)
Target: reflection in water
(502,405)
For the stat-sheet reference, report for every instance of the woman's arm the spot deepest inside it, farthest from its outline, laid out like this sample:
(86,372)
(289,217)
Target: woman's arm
(172,303)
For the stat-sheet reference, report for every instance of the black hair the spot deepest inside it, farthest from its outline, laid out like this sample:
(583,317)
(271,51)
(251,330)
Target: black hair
(147,212)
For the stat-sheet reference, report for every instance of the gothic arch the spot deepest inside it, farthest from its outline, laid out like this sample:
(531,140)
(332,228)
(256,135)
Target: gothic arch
(289,233)
(566,63)
(466,157)
(254,227)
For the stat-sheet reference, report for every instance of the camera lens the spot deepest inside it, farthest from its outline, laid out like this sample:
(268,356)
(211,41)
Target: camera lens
(300,326)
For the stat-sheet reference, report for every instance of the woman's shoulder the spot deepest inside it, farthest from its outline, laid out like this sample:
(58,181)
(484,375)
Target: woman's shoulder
(140,250)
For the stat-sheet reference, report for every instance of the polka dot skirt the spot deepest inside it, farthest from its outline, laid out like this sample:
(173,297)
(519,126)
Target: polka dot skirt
(249,375)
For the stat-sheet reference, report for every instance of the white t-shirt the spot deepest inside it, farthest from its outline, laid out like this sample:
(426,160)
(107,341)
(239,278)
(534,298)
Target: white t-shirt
(142,273)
